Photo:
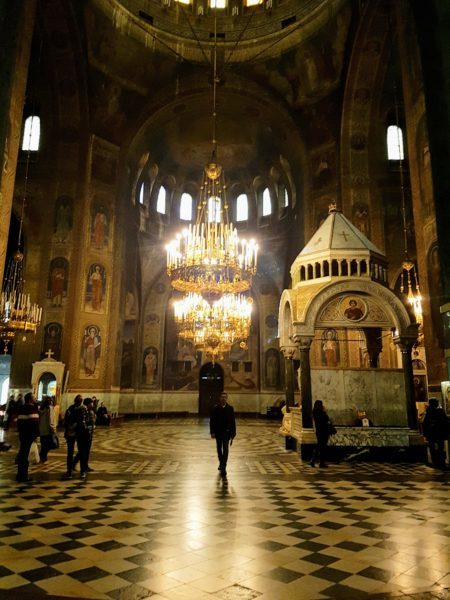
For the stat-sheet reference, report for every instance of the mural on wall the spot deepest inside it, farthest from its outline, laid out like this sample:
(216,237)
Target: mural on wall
(150,366)
(130,305)
(330,348)
(323,168)
(361,218)
(182,362)
(100,227)
(127,360)
(435,288)
(63,218)
(57,281)
(95,289)
(272,368)
(52,340)
(353,308)
(90,353)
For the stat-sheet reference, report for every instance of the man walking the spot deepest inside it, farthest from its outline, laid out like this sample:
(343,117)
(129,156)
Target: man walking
(76,430)
(223,429)
(28,428)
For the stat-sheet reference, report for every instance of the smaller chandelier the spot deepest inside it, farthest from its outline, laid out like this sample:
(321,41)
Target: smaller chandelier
(413,295)
(208,256)
(214,328)
(17,313)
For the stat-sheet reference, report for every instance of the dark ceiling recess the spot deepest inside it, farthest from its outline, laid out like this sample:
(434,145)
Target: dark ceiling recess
(289,21)
(146,17)
(220,36)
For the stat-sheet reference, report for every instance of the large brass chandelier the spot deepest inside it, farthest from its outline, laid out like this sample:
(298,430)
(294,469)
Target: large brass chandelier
(18,315)
(409,280)
(210,266)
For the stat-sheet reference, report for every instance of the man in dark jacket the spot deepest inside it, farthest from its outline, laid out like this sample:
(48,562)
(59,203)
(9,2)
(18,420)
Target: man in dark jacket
(436,429)
(28,428)
(76,430)
(223,429)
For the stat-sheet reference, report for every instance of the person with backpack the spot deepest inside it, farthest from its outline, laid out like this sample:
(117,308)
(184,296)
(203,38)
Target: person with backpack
(76,430)
(436,430)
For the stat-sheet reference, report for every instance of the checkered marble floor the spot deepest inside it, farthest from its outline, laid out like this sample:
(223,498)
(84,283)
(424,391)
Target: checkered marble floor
(154,520)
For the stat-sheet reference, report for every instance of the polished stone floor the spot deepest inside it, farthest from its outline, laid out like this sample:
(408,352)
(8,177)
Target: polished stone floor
(155,520)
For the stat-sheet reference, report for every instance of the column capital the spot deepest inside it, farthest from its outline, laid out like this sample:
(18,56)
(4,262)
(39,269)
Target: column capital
(288,351)
(303,343)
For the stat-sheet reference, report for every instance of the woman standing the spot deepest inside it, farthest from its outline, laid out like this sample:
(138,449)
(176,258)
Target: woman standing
(322,426)
(47,427)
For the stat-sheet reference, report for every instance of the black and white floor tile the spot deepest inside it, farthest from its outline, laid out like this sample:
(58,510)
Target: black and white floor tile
(155,520)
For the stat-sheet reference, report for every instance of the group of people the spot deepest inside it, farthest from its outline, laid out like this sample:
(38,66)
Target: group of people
(79,425)
(39,421)
(34,421)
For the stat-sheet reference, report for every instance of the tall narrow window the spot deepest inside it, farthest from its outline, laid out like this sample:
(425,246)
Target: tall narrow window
(395,143)
(186,207)
(31,133)
(252,2)
(214,209)
(284,198)
(242,207)
(161,201)
(141,194)
(267,203)
(218,3)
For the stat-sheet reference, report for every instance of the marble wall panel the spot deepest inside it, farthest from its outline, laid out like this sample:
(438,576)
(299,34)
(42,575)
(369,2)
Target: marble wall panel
(380,392)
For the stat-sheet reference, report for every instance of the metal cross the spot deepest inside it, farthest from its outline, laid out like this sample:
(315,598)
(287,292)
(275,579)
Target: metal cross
(49,353)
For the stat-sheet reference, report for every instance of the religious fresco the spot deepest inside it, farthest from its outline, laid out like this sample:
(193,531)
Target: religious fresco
(99,227)
(272,368)
(90,353)
(63,220)
(182,362)
(94,300)
(353,308)
(330,348)
(57,281)
(128,352)
(150,366)
(435,290)
(361,218)
(52,340)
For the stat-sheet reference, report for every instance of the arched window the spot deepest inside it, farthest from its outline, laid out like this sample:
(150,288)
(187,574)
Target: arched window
(214,209)
(242,207)
(394,140)
(161,201)
(186,207)
(218,3)
(31,133)
(141,194)
(267,203)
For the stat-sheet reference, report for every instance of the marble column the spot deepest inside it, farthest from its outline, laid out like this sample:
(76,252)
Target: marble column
(16,32)
(304,345)
(288,353)
(406,347)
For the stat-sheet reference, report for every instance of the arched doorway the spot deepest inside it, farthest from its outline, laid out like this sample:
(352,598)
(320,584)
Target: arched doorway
(210,385)
(46,386)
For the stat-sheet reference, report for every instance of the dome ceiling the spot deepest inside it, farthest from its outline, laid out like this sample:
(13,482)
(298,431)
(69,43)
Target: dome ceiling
(253,35)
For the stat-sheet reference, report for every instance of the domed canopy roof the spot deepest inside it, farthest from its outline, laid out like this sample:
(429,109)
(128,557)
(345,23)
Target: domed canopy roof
(338,249)
(337,233)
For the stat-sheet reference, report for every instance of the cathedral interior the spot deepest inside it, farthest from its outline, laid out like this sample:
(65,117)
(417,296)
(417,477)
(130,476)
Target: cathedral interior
(330,120)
